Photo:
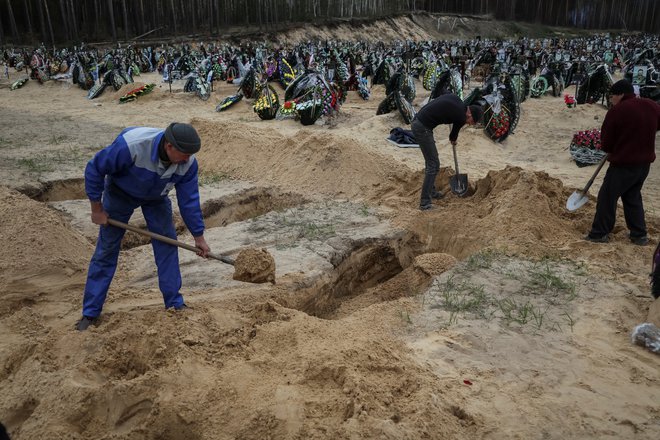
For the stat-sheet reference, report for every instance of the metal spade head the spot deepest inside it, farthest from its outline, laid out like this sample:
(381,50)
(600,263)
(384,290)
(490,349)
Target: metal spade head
(576,200)
(459,184)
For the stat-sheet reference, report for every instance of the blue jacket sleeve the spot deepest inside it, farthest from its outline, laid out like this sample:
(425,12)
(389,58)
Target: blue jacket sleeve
(187,194)
(115,158)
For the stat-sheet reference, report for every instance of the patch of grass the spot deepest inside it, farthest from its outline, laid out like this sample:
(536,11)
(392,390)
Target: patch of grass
(461,297)
(280,246)
(364,210)
(538,317)
(48,162)
(291,227)
(482,260)
(211,177)
(56,139)
(312,231)
(569,320)
(71,155)
(543,279)
(8,142)
(527,293)
(521,312)
(36,165)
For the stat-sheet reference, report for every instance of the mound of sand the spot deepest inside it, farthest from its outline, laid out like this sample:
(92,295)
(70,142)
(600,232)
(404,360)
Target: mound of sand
(41,252)
(306,161)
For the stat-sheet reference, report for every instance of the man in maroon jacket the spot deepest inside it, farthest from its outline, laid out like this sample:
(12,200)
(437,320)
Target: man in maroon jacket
(628,136)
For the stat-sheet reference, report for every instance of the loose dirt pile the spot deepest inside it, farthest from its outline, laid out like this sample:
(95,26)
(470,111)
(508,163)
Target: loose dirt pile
(42,258)
(254,266)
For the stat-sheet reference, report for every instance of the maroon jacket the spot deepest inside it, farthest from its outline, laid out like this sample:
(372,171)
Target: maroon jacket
(628,131)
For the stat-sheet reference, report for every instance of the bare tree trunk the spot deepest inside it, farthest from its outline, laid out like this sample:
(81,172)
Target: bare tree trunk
(50,24)
(173,15)
(211,16)
(26,5)
(74,21)
(125,12)
(217,15)
(143,26)
(2,35)
(65,19)
(42,22)
(96,18)
(113,28)
(194,13)
(12,21)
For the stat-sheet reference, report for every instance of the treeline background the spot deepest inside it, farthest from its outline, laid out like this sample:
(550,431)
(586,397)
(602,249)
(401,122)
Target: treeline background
(24,22)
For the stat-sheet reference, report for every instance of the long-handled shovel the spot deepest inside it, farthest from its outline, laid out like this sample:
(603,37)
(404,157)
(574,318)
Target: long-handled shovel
(458,182)
(168,240)
(579,197)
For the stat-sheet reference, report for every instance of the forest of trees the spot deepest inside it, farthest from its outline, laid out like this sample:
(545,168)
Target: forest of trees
(25,22)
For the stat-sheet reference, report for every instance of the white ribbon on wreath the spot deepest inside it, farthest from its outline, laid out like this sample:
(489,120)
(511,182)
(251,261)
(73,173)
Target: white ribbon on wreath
(495,101)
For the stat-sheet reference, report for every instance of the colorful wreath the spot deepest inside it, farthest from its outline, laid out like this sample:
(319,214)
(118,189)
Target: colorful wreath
(539,86)
(267,103)
(18,83)
(287,110)
(499,125)
(228,102)
(586,147)
(135,93)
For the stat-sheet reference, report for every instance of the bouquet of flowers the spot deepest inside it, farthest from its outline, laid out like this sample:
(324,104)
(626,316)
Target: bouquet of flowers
(287,110)
(267,104)
(499,124)
(570,101)
(586,147)
(587,139)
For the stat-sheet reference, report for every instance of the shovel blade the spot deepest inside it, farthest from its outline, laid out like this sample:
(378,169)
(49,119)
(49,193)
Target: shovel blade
(576,200)
(459,184)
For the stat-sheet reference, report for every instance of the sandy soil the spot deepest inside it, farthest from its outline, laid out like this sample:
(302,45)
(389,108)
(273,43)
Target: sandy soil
(488,317)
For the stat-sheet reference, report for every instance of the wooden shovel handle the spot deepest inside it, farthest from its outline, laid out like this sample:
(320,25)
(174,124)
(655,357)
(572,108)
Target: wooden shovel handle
(167,240)
(453,148)
(591,181)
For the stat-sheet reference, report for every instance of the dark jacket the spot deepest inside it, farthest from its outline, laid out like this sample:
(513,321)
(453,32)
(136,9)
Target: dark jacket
(628,131)
(445,109)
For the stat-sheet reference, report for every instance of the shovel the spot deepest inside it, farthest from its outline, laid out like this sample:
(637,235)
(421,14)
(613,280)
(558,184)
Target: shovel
(458,182)
(168,240)
(579,197)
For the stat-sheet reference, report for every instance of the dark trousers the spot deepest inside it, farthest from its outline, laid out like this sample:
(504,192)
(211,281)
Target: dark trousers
(625,183)
(158,215)
(424,138)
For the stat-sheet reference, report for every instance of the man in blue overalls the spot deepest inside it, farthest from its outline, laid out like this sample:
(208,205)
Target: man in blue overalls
(139,169)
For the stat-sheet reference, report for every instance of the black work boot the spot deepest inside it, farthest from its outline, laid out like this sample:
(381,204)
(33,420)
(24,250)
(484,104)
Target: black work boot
(85,322)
